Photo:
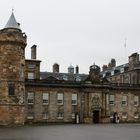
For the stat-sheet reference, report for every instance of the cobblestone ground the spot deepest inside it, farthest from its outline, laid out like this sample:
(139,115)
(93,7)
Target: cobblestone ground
(73,132)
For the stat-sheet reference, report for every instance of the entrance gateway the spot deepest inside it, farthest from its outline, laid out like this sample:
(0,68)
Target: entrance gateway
(96,116)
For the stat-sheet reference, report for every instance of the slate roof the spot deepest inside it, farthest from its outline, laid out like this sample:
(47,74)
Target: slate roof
(118,69)
(63,76)
(12,23)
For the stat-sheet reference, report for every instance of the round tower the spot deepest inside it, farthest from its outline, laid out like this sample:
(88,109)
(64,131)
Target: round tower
(12,67)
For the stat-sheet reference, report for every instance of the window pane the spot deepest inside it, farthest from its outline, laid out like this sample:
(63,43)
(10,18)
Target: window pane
(111,99)
(45,98)
(60,98)
(74,99)
(45,115)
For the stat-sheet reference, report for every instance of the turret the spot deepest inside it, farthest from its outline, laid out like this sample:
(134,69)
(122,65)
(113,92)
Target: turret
(12,61)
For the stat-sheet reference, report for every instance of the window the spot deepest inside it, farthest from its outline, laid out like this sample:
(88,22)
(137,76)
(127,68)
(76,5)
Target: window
(112,72)
(121,70)
(111,115)
(30,98)
(30,75)
(136,115)
(73,115)
(60,98)
(11,89)
(136,100)
(124,115)
(45,98)
(124,100)
(45,115)
(78,78)
(74,99)
(65,77)
(111,99)
(30,115)
(60,115)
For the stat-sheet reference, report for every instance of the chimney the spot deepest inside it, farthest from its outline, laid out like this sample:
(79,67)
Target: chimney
(133,60)
(104,67)
(33,52)
(56,68)
(77,69)
(113,63)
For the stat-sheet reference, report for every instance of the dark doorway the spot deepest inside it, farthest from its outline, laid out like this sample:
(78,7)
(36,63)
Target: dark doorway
(96,116)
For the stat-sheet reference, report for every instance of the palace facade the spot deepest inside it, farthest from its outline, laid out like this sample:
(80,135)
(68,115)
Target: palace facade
(29,95)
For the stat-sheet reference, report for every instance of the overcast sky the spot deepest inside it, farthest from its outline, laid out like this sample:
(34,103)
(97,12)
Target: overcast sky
(77,32)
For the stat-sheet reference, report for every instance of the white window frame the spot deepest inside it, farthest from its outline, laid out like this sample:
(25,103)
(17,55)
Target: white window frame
(45,98)
(60,99)
(74,99)
(30,97)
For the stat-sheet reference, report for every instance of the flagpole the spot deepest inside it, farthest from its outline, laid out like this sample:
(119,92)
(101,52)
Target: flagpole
(125,49)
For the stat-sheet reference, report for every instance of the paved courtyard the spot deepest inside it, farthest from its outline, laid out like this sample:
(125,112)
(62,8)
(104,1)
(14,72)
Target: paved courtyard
(73,132)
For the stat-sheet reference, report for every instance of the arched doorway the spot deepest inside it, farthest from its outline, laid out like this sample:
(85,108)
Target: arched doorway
(96,116)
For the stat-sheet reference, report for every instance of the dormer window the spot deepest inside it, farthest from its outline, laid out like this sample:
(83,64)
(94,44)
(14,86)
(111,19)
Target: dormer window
(78,78)
(112,72)
(121,70)
(65,77)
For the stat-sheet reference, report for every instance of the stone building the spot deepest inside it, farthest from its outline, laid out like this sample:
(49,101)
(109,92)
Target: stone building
(29,95)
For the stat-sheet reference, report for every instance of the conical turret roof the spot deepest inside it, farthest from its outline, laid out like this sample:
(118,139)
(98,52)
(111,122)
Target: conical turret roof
(12,23)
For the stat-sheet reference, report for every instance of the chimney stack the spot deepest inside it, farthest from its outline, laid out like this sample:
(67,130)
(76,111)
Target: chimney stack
(77,69)
(56,68)
(33,52)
